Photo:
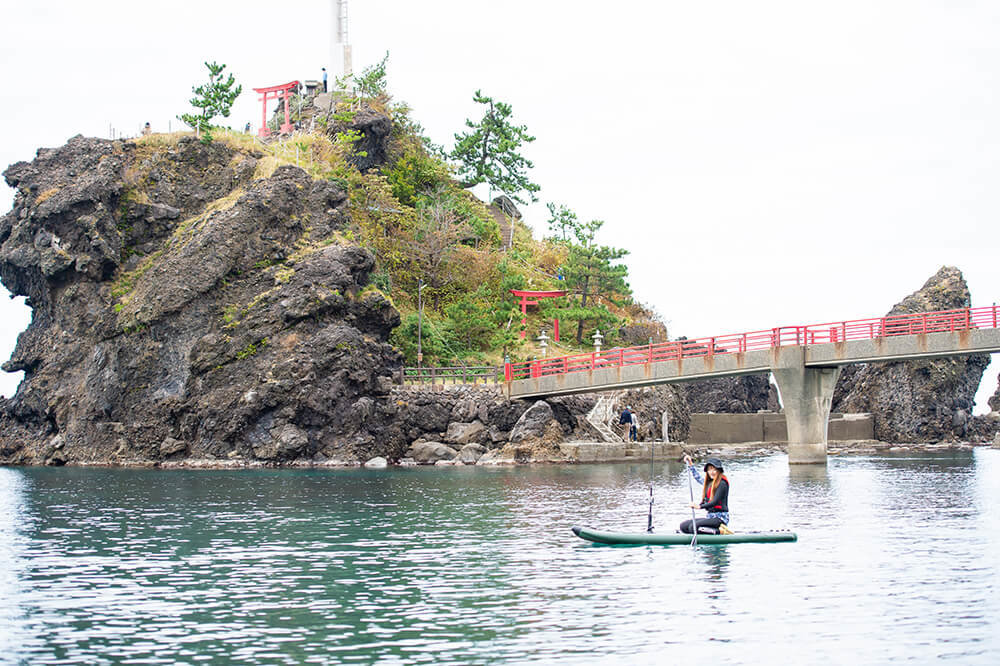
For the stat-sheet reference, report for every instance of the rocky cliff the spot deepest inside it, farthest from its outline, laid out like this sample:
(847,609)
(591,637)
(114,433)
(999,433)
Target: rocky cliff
(729,395)
(994,400)
(187,304)
(200,303)
(193,303)
(918,401)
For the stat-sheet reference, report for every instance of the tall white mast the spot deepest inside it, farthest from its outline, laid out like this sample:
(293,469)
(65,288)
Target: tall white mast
(340,49)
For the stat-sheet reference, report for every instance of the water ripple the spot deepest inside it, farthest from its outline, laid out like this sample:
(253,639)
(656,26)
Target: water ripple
(477,566)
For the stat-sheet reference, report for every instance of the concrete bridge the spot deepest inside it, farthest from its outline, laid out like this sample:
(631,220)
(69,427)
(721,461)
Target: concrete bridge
(805,362)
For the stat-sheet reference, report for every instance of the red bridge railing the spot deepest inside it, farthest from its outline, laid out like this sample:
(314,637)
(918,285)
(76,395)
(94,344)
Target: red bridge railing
(815,334)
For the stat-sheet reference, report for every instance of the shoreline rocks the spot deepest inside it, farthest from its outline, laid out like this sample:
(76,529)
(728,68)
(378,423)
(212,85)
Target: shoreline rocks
(549,456)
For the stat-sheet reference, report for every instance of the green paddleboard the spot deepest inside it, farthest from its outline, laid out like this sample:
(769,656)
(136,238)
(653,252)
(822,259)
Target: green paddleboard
(670,539)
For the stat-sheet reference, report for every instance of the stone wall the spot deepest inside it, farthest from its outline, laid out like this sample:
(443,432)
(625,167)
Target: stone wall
(770,427)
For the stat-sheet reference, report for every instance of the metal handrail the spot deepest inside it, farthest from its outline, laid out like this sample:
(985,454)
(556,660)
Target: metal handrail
(918,323)
(456,374)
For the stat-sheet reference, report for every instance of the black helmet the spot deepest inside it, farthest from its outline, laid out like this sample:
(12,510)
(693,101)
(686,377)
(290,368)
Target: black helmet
(714,462)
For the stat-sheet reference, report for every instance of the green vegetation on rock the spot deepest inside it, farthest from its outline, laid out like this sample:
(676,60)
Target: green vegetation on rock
(410,206)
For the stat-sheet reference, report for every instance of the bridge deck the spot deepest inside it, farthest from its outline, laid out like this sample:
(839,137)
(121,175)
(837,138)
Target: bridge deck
(923,335)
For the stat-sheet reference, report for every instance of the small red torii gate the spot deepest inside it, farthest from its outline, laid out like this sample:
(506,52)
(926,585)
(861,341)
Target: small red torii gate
(525,302)
(275,92)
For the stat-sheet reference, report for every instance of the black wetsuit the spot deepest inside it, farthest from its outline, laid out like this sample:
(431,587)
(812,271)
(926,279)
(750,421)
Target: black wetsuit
(718,511)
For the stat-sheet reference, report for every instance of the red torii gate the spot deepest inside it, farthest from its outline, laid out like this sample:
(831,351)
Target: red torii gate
(525,295)
(275,92)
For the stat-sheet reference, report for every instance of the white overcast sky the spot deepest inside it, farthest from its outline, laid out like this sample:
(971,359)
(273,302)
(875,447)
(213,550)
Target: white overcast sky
(765,163)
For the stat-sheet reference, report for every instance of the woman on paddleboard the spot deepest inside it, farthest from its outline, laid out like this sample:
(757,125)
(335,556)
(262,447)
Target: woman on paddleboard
(714,498)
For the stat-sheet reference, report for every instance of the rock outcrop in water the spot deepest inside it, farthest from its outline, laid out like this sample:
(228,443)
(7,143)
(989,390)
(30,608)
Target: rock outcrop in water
(923,400)
(184,308)
(193,303)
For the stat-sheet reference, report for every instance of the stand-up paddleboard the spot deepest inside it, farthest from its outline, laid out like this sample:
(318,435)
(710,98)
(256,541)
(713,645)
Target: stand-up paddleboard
(649,538)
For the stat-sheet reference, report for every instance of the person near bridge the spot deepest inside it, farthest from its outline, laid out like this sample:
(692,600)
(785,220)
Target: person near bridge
(714,498)
(626,420)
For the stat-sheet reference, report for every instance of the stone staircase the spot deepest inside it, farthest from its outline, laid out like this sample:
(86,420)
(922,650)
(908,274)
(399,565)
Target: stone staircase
(602,415)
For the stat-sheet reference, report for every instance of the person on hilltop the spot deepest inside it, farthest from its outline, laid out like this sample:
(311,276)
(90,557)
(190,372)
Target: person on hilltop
(324,79)
(714,499)
(626,420)
(147,129)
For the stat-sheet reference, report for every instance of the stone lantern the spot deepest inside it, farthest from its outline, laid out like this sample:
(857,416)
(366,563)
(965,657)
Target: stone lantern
(543,342)
(598,341)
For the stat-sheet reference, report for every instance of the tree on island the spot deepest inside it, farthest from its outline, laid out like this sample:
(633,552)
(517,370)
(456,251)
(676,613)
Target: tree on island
(489,153)
(590,271)
(562,221)
(214,98)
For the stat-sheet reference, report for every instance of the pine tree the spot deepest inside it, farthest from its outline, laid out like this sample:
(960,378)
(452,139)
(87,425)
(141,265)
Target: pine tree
(214,98)
(562,221)
(592,273)
(489,153)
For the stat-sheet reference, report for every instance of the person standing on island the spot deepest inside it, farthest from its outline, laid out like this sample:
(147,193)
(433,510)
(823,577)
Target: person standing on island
(714,498)
(626,420)
(324,79)
(147,130)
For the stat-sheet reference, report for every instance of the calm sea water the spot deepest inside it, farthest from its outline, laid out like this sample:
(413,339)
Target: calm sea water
(897,559)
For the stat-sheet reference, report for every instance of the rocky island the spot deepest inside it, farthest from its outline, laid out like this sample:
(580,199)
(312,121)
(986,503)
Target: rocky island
(213,304)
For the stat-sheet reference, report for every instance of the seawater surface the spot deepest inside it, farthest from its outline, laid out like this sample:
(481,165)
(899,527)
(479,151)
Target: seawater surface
(898,559)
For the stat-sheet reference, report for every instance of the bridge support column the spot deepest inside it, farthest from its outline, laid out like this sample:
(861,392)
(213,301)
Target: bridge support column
(807,394)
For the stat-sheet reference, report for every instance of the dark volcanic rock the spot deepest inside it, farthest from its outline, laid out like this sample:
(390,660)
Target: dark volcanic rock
(994,400)
(729,395)
(182,309)
(372,148)
(923,400)
(187,309)
(983,428)
(534,423)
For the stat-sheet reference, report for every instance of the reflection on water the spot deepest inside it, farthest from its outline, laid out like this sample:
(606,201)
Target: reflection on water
(808,474)
(14,520)
(473,565)
(716,564)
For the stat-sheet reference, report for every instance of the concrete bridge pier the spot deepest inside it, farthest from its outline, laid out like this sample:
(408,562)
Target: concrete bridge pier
(807,395)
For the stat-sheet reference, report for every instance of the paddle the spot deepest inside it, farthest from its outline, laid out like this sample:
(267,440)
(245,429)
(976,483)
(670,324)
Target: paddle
(649,525)
(694,521)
